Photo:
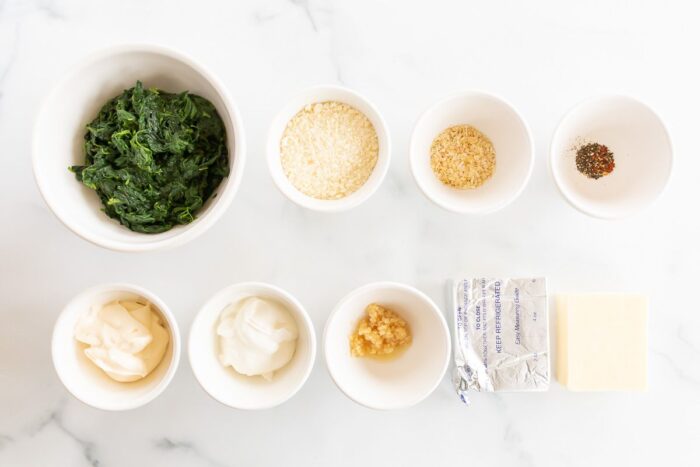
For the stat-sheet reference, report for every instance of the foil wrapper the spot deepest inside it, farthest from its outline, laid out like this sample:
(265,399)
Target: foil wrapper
(501,335)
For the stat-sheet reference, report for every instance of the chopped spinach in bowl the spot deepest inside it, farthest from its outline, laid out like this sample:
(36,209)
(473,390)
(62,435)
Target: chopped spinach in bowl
(154,158)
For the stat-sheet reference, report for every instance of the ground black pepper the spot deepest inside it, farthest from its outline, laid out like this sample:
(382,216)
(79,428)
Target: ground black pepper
(594,160)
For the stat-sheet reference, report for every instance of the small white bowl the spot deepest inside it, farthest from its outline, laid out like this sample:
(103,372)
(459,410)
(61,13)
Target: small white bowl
(76,100)
(87,382)
(234,389)
(642,149)
(324,93)
(511,138)
(395,383)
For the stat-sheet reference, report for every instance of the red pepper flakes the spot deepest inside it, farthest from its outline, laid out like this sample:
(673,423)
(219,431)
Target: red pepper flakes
(594,160)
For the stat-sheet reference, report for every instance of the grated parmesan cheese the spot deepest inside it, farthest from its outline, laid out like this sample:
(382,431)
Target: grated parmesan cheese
(328,150)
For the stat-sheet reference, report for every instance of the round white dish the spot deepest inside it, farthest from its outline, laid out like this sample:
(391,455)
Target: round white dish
(502,124)
(77,99)
(324,93)
(85,380)
(642,149)
(234,389)
(392,383)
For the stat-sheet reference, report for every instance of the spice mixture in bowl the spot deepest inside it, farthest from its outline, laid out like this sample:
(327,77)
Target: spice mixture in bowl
(471,153)
(594,160)
(328,149)
(611,156)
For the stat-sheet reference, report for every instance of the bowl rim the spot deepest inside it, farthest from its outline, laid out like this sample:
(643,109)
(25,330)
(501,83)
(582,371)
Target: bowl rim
(436,312)
(555,136)
(457,95)
(224,197)
(334,205)
(175,339)
(307,323)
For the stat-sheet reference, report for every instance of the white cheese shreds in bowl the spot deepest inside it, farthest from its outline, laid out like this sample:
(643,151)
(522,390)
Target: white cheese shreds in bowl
(328,149)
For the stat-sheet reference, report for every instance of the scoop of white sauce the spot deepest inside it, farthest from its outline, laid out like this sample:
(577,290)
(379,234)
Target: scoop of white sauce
(125,338)
(256,337)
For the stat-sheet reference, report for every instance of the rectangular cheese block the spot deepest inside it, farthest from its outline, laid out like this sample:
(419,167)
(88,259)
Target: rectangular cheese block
(602,342)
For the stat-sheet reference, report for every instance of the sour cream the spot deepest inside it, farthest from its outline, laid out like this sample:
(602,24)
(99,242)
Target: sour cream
(256,336)
(125,338)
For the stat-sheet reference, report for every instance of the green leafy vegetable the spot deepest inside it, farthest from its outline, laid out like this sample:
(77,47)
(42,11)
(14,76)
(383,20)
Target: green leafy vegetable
(154,158)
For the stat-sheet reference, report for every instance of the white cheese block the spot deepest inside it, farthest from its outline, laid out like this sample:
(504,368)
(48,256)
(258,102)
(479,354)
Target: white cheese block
(602,342)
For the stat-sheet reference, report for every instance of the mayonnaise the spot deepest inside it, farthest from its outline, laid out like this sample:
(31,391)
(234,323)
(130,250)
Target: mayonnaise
(256,336)
(125,338)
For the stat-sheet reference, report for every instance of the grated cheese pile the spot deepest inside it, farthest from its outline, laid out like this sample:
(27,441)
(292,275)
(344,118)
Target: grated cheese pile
(328,150)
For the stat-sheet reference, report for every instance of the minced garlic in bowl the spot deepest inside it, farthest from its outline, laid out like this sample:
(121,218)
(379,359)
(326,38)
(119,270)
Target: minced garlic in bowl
(381,332)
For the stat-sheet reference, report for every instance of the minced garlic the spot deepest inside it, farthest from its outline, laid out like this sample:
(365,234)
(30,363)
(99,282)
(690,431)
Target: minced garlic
(462,157)
(379,333)
(328,150)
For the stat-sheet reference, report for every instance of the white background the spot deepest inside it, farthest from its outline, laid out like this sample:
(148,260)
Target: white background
(544,56)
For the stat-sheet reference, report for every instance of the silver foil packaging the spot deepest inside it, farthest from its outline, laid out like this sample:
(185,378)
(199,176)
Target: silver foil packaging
(501,335)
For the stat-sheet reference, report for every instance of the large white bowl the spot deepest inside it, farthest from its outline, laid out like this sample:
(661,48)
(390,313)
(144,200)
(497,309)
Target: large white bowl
(323,93)
(641,145)
(511,138)
(76,100)
(87,382)
(234,389)
(395,383)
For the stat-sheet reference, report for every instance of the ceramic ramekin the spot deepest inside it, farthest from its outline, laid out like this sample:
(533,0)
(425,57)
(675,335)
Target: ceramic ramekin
(511,138)
(76,100)
(87,382)
(642,149)
(233,389)
(324,93)
(395,383)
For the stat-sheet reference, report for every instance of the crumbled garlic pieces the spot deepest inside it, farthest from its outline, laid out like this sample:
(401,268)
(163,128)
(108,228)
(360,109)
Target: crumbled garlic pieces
(462,157)
(380,332)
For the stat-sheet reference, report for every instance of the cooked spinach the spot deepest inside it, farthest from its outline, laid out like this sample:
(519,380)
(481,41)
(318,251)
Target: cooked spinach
(154,158)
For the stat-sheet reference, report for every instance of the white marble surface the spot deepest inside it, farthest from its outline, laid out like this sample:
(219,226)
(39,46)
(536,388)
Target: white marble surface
(544,56)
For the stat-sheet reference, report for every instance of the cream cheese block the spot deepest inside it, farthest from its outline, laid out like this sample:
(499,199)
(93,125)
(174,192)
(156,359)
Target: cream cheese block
(602,342)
